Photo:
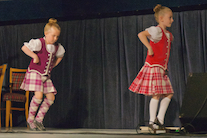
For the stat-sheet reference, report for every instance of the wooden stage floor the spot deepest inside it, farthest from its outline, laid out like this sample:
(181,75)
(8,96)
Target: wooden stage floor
(90,133)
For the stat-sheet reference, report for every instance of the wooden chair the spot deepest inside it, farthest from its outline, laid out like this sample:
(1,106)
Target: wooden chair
(16,76)
(2,74)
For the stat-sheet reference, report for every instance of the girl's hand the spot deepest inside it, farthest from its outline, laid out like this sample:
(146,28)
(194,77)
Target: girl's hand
(36,59)
(31,54)
(166,72)
(150,52)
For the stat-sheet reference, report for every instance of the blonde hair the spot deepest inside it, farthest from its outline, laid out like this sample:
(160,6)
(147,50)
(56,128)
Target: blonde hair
(51,23)
(160,11)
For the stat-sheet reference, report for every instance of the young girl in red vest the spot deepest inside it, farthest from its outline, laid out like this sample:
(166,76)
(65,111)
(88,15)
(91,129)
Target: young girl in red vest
(152,80)
(46,53)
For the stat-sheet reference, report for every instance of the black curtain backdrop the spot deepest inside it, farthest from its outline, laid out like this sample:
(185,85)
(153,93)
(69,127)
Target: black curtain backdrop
(103,56)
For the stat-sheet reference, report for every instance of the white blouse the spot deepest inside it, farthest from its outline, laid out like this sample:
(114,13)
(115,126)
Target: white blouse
(156,34)
(36,45)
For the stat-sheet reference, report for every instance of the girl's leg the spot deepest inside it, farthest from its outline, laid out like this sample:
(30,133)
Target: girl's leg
(48,101)
(163,107)
(153,108)
(34,104)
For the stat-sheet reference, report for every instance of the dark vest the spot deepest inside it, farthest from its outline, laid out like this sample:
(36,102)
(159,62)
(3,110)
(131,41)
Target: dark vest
(46,60)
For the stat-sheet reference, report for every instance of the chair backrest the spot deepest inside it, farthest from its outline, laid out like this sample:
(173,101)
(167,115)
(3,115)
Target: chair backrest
(2,74)
(16,77)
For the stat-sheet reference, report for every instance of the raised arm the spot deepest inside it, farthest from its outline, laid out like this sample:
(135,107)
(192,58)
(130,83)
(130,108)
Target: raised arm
(30,53)
(143,38)
(57,61)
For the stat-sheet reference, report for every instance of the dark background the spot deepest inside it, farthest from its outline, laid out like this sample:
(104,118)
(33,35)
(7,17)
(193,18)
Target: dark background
(103,56)
(11,10)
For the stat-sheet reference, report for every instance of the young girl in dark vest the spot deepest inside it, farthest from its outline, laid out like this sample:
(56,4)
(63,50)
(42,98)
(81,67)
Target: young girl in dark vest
(152,80)
(45,54)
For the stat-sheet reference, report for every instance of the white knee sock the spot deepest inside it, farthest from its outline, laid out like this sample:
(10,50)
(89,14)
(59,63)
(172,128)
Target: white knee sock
(153,110)
(163,108)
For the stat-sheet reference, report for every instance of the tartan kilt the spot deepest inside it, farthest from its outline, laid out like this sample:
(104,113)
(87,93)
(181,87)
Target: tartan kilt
(151,81)
(35,82)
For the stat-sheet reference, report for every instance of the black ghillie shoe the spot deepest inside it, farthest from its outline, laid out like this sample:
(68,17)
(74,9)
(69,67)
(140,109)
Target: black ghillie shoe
(151,128)
(30,128)
(157,122)
(39,125)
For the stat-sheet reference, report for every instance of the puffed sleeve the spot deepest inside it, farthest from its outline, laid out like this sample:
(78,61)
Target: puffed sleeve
(155,33)
(61,51)
(34,45)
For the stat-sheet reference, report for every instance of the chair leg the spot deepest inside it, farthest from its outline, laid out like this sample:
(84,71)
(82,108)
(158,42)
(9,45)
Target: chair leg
(26,113)
(27,106)
(0,118)
(8,110)
(10,119)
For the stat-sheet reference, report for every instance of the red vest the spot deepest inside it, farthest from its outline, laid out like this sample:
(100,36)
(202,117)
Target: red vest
(161,51)
(46,60)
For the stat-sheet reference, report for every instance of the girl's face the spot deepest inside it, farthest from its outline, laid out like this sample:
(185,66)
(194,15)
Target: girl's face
(167,19)
(52,35)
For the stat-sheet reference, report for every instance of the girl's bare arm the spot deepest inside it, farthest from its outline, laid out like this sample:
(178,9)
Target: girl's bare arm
(143,38)
(30,53)
(57,61)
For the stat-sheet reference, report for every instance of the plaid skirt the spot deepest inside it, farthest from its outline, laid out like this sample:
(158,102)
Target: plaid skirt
(35,82)
(151,81)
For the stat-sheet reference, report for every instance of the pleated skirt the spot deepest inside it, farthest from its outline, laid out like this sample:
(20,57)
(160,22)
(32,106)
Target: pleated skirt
(151,81)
